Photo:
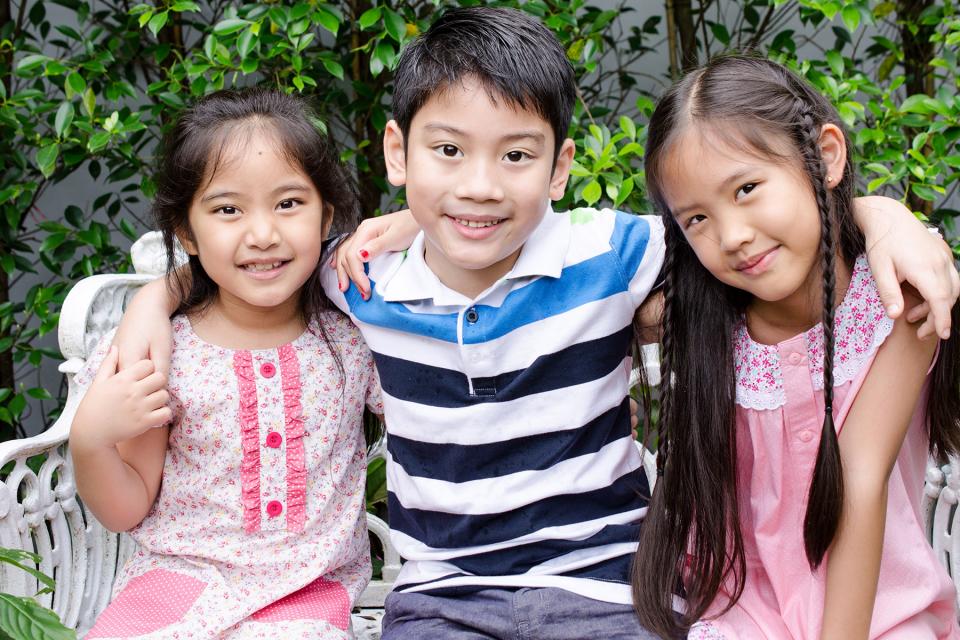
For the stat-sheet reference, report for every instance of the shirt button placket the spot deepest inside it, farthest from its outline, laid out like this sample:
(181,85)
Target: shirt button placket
(804,415)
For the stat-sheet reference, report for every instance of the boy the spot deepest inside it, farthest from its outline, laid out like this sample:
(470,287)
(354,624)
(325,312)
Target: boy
(502,342)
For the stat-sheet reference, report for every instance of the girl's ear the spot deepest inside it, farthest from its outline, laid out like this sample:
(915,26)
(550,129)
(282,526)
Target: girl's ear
(394,154)
(833,150)
(186,241)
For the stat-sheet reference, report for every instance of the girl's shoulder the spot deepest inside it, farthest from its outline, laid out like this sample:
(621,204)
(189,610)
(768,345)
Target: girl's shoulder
(337,327)
(860,326)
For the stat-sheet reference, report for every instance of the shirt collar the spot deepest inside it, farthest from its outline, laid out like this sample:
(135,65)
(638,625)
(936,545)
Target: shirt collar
(543,254)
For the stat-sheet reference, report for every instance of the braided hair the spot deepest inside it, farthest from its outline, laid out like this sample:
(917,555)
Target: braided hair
(691,539)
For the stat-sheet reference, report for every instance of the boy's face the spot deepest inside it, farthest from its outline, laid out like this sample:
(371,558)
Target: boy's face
(479,175)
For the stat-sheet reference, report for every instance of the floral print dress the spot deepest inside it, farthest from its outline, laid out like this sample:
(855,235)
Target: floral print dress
(258,530)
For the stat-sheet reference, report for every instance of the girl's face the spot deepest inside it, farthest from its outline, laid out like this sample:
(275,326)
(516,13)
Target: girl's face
(257,224)
(753,222)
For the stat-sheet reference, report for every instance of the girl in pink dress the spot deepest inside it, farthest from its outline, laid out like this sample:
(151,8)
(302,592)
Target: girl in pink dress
(241,474)
(796,417)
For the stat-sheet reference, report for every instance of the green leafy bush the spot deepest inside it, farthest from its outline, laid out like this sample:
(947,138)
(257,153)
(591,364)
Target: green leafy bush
(24,617)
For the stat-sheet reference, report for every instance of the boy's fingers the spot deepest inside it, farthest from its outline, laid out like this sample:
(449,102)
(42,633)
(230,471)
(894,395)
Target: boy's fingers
(888,286)
(108,367)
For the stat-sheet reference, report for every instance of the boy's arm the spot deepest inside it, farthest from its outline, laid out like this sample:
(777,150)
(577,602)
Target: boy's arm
(870,441)
(118,441)
(900,249)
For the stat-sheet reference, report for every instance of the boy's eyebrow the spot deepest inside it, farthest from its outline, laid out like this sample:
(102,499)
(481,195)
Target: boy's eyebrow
(532,134)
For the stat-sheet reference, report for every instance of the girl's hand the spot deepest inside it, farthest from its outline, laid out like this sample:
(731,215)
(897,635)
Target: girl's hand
(900,249)
(121,405)
(374,236)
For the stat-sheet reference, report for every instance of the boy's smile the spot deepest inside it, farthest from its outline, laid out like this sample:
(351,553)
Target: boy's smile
(479,175)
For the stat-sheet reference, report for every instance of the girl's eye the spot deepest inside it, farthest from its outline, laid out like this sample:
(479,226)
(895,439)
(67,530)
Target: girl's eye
(288,204)
(226,210)
(746,189)
(448,150)
(694,220)
(516,156)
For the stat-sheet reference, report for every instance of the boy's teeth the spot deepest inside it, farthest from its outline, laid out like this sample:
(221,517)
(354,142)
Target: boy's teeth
(477,224)
(262,267)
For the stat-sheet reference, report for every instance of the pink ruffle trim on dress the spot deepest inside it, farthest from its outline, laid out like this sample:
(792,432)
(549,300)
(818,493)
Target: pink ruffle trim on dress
(293,416)
(250,440)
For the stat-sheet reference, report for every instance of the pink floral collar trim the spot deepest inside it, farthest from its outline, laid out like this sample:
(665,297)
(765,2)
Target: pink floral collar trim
(861,327)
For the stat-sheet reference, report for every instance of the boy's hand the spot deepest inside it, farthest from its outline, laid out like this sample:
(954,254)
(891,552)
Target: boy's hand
(145,331)
(121,405)
(374,236)
(900,249)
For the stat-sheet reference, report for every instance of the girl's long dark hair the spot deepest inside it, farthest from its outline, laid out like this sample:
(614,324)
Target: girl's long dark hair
(193,151)
(691,535)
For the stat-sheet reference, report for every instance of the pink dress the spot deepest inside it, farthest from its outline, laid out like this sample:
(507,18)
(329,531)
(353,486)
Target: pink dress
(779,417)
(258,530)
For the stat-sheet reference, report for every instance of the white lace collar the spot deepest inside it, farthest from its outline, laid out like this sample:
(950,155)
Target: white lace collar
(861,327)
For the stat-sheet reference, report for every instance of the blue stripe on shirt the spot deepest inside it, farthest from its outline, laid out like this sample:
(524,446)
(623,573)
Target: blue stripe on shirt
(462,463)
(438,387)
(629,240)
(441,530)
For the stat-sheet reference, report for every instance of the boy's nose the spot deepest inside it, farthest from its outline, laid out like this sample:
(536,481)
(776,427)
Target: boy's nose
(479,182)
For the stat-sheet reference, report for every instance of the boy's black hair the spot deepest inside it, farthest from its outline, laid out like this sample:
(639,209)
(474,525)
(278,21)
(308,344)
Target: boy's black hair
(512,54)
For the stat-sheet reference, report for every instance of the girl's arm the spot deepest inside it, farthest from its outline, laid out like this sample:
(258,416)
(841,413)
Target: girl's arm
(118,442)
(389,232)
(870,441)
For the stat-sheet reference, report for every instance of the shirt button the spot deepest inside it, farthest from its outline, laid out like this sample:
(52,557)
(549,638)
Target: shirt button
(274,439)
(267,370)
(806,436)
(472,315)
(274,508)
(794,358)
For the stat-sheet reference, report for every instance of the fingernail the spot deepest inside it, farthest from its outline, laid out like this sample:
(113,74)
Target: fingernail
(339,285)
(893,308)
(364,254)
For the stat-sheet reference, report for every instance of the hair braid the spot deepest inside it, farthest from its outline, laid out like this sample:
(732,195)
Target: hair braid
(825,499)
(666,351)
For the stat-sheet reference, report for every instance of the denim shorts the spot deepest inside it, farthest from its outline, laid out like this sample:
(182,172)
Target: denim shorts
(508,614)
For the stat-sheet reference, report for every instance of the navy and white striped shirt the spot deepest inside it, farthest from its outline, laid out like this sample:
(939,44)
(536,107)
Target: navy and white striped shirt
(510,460)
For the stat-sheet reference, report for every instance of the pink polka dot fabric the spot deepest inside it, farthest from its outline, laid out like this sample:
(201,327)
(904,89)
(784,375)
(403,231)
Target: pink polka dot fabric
(295,574)
(150,602)
(319,600)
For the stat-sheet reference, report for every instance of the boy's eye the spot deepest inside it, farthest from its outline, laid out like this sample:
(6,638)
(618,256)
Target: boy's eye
(449,150)
(516,156)
(745,189)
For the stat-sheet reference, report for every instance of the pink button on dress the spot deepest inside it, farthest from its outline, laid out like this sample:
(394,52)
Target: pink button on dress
(779,418)
(259,529)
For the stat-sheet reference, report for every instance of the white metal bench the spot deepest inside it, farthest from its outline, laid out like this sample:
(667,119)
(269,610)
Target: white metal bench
(39,510)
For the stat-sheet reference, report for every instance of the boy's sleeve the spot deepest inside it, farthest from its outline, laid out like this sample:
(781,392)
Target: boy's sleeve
(639,244)
(328,280)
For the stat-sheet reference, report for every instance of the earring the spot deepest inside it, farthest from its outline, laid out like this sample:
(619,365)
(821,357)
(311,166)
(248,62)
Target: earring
(829,179)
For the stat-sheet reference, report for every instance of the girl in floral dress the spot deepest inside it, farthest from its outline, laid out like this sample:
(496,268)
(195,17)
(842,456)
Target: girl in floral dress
(241,474)
(796,417)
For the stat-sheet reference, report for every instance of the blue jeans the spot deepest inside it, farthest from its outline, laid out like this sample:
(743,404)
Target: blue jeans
(508,614)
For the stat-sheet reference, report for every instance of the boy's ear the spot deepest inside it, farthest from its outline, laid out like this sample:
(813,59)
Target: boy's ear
(833,150)
(186,241)
(561,170)
(394,154)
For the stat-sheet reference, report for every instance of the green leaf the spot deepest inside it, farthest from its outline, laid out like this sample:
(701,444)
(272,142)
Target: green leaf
(75,84)
(182,6)
(916,104)
(333,68)
(720,33)
(835,60)
(41,394)
(89,101)
(327,20)
(157,22)
(98,141)
(24,618)
(369,17)
(228,26)
(63,119)
(591,193)
(395,24)
(246,42)
(628,127)
(31,62)
(851,17)
(47,158)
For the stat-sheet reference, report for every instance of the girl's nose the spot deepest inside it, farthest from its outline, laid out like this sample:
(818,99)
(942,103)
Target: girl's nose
(734,234)
(262,231)
(479,182)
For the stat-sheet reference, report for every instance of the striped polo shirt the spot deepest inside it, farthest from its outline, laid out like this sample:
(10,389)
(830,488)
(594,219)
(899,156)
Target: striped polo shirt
(510,460)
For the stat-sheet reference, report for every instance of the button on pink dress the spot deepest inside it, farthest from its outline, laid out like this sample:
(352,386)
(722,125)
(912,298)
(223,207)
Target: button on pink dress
(779,418)
(258,530)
